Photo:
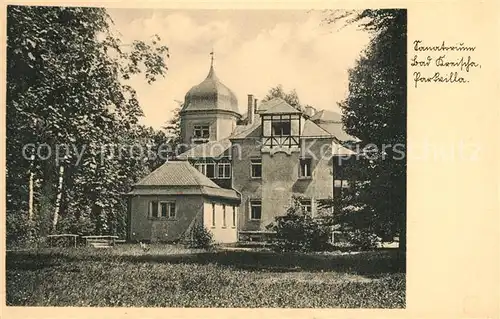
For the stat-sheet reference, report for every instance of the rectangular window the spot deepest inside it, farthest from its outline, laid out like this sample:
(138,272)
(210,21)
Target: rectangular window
(281,128)
(164,209)
(256,168)
(256,209)
(234,216)
(210,170)
(306,205)
(201,131)
(167,209)
(223,215)
(153,209)
(206,168)
(213,215)
(171,210)
(305,167)
(224,170)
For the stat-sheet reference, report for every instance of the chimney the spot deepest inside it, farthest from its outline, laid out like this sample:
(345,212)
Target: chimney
(310,110)
(251,109)
(255,106)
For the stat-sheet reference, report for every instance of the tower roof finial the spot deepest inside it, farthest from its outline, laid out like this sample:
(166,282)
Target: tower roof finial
(212,57)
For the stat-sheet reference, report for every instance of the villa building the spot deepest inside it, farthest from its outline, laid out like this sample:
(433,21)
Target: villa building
(239,171)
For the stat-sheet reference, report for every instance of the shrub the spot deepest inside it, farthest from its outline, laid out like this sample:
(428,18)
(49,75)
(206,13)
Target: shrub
(362,240)
(21,232)
(200,237)
(298,231)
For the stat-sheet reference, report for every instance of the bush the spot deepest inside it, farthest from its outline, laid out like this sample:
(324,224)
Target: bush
(362,240)
(20,232)
(200,237)
(298,231)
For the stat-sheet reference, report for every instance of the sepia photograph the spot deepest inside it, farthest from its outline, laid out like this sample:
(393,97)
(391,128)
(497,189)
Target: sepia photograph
(223,158)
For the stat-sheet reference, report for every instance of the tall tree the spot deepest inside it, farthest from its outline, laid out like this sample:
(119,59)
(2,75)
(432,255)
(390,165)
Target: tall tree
(173,131)
(67,103)
(375,112)
(291,97)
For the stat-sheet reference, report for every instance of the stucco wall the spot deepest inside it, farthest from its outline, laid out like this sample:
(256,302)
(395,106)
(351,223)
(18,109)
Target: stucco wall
(142,227)
(280,180)
(225,126)
(221,233)
(250,188)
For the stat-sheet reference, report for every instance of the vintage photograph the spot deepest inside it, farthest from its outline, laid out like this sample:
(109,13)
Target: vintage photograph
(206,158)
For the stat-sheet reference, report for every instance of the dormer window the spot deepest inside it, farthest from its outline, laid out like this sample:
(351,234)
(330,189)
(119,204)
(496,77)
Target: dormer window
(281,128)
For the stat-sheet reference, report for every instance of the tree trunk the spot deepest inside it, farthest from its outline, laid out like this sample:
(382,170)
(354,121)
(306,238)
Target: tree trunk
(58,199)
(31,197)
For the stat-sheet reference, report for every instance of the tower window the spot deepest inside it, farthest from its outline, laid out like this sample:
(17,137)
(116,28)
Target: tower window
(201,131)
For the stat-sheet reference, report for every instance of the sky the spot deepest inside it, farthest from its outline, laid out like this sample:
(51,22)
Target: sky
(254,50)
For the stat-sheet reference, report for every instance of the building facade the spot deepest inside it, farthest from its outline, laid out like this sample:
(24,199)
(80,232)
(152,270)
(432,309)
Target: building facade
(260,159)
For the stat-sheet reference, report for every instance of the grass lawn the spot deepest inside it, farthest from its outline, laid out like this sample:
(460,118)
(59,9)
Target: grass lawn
(169,276)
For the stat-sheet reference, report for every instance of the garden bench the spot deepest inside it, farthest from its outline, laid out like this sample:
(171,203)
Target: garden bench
(100,241)
(255,237)
(73,238)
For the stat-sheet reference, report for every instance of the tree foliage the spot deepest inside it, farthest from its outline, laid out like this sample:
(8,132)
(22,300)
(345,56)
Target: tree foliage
(173,130)
(297,230)
(290,97)
(375,112)
(67,89)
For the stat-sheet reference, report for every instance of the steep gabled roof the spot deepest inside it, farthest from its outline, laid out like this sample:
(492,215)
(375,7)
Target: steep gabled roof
(337,130)
(277,106)
(264,105)
(326,116)
(312,129)
(340,150)
(332,122)
(243,131)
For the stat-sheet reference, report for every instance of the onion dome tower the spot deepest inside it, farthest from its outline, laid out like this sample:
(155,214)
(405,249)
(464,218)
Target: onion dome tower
(210,111)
